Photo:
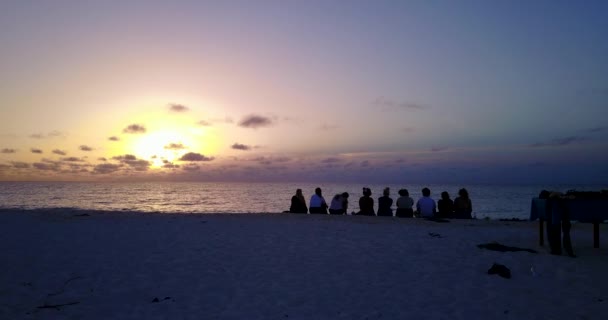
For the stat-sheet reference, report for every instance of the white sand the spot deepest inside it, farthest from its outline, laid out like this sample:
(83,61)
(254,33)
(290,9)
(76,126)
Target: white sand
(289,267)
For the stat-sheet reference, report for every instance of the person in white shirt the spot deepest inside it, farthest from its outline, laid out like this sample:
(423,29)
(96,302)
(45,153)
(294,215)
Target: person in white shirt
(426,206)
(317,203)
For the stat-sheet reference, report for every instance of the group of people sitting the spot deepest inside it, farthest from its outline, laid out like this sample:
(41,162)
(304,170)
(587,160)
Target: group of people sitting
(459,208)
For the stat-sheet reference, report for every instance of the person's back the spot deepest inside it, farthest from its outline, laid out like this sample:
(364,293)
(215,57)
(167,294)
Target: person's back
(298,204)
(404,205)
(366,203)
(445,206)
(426,206)
(317,203)
(337,205)
(384,204)
(462,205)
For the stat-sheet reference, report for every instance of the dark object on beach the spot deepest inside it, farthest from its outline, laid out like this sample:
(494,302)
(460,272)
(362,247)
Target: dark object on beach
(155,300)
(495,246)
(501,270)
(82,215)
(558,225)
(434,219)
(57,306)
(435,235)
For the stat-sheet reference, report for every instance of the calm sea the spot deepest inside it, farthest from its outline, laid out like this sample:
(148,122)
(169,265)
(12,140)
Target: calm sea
(490,201)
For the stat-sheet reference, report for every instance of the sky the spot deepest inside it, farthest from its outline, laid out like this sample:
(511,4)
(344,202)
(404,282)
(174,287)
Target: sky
(339,91)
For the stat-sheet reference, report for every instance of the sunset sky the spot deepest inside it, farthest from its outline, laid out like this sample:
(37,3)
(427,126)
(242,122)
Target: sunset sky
(377,91)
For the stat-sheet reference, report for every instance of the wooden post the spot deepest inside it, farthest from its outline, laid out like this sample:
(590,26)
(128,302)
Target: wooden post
(541,237)
(596,234)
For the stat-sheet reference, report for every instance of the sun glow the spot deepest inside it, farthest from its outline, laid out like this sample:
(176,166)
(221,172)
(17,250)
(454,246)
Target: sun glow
(161,146)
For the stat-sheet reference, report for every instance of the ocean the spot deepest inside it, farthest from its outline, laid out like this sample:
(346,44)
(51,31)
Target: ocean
(489,201)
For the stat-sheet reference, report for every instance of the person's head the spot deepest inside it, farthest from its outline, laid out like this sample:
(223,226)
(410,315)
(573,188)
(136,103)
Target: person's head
(463,193)
(367,192)
(337,196)
(318,191)
(386,192)
(445,195)
(345,195)
(299,192)
(426,192)
(404,193)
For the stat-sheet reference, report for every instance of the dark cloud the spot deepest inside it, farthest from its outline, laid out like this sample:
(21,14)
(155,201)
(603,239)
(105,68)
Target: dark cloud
(36,136)
(52,134)
(46,166)
(192,156)
(134,128)
(106,168)
(85,148)
(331,160)
(204,123)
(439,149)
(72,159)
(102,159)
(169,165)
(59,152)
(365,163)
(7,150)
(560,142)
(4,167)
(114,138)
(255,121)
(175,146)
(126,157)
(191,167)
(596,129)
(387,104)
(34,150)
(176,107)
(20,165)
(239,146)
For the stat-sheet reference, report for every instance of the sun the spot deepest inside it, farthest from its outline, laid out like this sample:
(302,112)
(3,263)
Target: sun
(160,146)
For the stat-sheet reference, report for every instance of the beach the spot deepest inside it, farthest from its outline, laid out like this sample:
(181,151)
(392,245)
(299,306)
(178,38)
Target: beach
(74,264)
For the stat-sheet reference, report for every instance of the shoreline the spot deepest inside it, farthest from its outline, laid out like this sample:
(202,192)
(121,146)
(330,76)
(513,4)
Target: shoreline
(260,266)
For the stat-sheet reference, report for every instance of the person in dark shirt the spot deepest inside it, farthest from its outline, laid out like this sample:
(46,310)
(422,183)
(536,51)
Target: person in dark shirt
(298,203)
(462,205)
(445,206)
(385,203)
(366,203)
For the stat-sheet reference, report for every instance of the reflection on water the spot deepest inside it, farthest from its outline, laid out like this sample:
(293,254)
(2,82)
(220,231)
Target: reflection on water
(488,201)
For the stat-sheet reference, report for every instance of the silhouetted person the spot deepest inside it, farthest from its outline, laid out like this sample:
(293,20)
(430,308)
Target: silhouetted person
(385,203)
(426,206)
(298,203)
(445,206)
(317,203)
(462,205)
(366,203)
(405,204)
(339,204)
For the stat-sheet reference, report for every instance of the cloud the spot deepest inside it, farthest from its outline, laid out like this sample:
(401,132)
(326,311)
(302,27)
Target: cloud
(192,156)
(59,152)
(439,149)
(176,107)
(20,165)
(7,150)
(85,148)
(134,128)
(239,146)
(46,166)
(175,146)
(34,150)
(102,159)
(365,163)
(114,138)
(559,142)
(331,160)
(596,129)
(36,136)
(191,167)
(134,163)
(387,104)
(204,123)
(52,134)
(72,159)
(106,168)
(126,157)
(255,121)
(169,165)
